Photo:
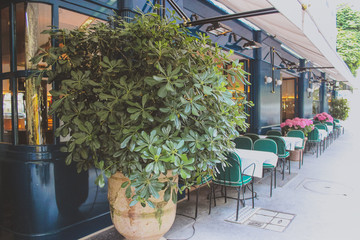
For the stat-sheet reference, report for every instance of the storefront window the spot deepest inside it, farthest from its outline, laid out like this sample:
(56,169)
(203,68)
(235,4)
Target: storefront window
(20,36)
(35,125)
(7,130)
(5,40)
(37,19)
(70,19)
(316,99)
(288,99)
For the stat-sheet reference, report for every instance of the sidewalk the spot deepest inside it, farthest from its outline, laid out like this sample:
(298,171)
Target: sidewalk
(324,196)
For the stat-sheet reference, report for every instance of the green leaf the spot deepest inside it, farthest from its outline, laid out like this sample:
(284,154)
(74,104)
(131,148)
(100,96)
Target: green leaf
(167,194)
(125,184)
(124,143)
(154,192)
(150,203)
(100,181)
(162,92)
(128,192)
(174,196)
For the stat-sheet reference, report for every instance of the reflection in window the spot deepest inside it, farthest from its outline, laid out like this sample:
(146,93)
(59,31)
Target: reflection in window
(20,36)
(35,125)
(70,20)
(288,99)
(5,40)
(38,19)
(7,134)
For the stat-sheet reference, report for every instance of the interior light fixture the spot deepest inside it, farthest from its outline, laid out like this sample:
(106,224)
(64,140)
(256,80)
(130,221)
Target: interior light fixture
(218,29)
(278,82)
(268,80)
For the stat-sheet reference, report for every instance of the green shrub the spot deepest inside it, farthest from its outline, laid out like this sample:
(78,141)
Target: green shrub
(339,108)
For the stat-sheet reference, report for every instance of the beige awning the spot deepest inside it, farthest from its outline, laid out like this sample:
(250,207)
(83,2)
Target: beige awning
(297,29)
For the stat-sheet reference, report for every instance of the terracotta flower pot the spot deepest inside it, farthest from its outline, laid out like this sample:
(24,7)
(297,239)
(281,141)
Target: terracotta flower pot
(137,222)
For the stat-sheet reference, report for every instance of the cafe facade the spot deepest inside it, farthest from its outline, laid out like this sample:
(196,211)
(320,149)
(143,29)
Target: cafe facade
(293,73)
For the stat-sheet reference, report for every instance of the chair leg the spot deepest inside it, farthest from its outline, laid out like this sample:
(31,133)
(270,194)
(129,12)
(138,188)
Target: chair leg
(300,161)
(210,196)
(289,166)
(274,177)
(237,205)
(271,182)
(213,191)
(225,195)
(197,201)
(317,150)
(252,192)
(302,157)
(283,171)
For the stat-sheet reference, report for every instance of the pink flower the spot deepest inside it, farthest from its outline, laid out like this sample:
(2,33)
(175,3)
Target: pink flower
(282,125)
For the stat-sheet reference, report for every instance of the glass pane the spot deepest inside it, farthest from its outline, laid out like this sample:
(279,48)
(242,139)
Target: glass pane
(20,36)
(35,125)
(38,18)
(288,99)
(7,134)
(5,39)
(70,20)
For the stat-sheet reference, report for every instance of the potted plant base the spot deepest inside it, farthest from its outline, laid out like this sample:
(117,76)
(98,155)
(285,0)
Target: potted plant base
(295,155)
(138,222)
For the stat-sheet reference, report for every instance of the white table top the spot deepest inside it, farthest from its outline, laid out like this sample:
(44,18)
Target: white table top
(330,128)
(322,134)
(290,142)
(258,157)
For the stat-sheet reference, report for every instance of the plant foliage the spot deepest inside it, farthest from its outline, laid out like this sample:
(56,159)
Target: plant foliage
(348,38)
(144,97)
(339,108)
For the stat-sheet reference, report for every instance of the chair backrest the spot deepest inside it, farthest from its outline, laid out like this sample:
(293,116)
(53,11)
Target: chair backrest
(321,126)
(314,135)
(266,145)
(329,123)
(296,133)
(336,120)
(273,133)
(253,136)
(280,143)
(231,173)
(243,142)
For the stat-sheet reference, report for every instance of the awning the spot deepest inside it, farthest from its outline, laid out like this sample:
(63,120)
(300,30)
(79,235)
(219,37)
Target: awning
(297,29)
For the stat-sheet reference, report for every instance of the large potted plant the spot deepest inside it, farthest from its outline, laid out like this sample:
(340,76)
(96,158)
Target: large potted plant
(144,102)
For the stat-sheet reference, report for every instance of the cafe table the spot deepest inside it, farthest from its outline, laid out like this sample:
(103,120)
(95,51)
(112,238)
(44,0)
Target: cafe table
(330,128)
(290,142)
(322,134)
(249,157)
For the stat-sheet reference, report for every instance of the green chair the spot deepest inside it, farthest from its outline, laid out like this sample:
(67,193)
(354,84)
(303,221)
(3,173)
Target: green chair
(274,133)
(299,134)
(338,127)
(204,180)
(281,152)
(331,134)
(243,142)
(232,176)
(314,138)
(323,127)
(268,145)
(253,136)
